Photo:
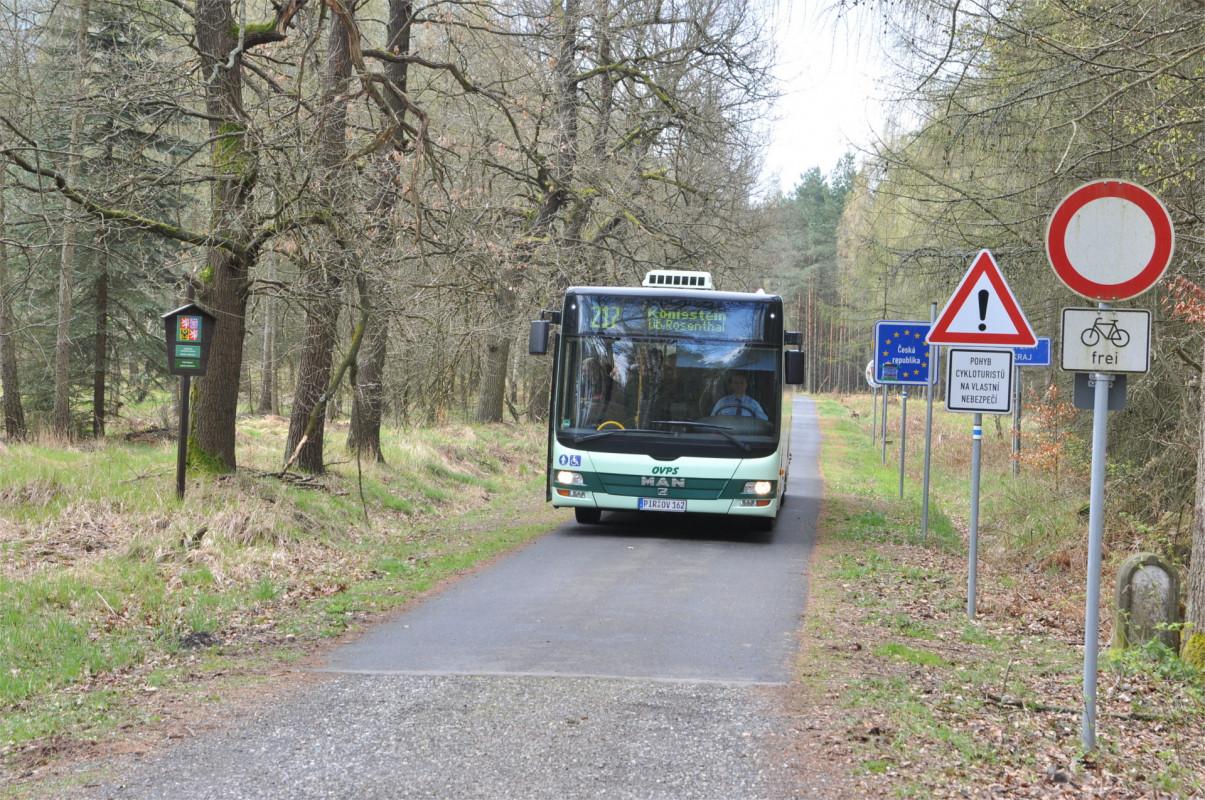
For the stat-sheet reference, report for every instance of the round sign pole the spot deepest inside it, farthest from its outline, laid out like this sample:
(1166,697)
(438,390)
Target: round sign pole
(1096,527)
(1108,240)
(903,436)
(874,413)
(973,526)
(874,401)
(886,389)
(933,371)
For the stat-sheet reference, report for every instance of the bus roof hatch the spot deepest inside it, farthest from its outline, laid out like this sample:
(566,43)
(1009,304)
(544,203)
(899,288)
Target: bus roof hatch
(677,279)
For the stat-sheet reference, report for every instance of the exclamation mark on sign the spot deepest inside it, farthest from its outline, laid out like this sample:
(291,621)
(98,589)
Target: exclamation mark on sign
(982,309)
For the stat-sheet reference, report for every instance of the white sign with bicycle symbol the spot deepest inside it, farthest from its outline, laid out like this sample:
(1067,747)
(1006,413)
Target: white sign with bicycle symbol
(1106,340)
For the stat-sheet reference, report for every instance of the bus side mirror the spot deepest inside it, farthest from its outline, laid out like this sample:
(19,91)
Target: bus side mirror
(537,340)
(793,367)
(792,337)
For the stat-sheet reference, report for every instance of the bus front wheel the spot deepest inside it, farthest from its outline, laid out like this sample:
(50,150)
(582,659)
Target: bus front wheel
(764,524)
(587,516)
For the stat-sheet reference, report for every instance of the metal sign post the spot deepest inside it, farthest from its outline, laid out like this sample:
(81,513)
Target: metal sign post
(1096,526)
(1016,455)
(874,401)
(1107,240)
(903,437)
(884,428)
(874,414)
(1036,356)
(973,532)
(977,381)
(924,508)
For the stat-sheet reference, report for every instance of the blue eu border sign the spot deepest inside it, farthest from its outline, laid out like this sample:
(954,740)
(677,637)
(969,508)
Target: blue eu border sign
(1036,356)
(900,353)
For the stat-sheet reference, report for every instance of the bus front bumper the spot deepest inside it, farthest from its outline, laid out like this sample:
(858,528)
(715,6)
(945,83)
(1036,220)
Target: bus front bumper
(569,498)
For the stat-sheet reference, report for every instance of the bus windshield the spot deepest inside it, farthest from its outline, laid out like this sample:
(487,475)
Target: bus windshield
(669,396)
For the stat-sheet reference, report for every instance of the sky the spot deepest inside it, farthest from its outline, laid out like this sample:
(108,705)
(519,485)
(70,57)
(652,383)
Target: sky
(828,70)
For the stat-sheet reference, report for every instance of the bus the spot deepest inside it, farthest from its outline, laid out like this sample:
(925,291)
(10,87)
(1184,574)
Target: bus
(668,398)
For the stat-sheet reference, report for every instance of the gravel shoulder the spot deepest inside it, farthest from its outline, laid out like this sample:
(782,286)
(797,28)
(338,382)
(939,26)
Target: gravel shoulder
(425,736)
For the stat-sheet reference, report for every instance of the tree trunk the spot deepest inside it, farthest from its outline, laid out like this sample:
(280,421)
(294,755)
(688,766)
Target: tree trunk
(364,434)
(224,280)
(267,388)
(61,419)
(14,413)
(1194,639)
(556,179)
(322,279)
(313,375)
(493,379)
(100,353)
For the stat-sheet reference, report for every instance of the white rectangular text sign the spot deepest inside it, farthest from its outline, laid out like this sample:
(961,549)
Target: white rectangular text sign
(979,381)
(1106,340)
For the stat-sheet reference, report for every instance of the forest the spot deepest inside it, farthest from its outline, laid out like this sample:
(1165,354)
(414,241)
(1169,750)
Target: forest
(374,197)
(371,197)
(1000,111)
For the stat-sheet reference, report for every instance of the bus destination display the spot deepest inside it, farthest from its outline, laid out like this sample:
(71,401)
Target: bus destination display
(670,317)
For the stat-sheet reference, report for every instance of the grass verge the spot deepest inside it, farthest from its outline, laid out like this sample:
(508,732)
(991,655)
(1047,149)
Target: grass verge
(914,700)
(120,607)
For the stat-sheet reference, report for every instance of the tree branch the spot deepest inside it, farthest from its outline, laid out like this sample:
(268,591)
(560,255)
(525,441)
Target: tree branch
(120,215)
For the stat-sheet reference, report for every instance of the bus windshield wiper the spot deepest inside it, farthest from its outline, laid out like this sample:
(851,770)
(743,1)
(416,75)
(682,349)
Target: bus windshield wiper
(609,431)
(720,429)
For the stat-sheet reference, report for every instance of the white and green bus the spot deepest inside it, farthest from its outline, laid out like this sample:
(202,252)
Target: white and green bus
(668,398)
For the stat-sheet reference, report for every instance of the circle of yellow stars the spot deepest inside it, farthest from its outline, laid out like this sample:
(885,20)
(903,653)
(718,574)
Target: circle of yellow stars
(890,339)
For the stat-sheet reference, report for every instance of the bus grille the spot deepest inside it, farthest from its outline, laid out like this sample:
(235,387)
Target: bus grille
(686,488)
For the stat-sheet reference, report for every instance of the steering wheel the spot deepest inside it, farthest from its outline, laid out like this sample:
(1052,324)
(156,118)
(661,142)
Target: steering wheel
(609,422)
(740,407)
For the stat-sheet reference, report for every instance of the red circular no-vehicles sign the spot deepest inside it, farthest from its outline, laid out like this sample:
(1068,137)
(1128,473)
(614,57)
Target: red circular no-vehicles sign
(1110,240)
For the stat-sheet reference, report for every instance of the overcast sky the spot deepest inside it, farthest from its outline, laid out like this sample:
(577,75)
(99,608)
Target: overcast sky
(829,70)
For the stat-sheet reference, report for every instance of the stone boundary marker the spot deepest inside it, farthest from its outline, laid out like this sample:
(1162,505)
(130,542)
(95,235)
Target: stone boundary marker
(1147,602)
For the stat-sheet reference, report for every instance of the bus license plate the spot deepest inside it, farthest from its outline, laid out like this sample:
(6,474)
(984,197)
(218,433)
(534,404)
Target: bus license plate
(660,504)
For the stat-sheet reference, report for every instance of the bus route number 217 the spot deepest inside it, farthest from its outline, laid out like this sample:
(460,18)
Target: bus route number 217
(603,317)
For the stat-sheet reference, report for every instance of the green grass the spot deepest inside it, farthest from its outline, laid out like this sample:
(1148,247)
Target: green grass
(867,490)
(910,655)
(110,579)
(927,684)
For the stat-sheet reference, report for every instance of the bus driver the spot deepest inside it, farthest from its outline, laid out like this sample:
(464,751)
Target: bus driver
(737,404)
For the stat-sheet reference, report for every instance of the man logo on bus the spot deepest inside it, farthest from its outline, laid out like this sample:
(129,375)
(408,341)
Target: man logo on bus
(651,480)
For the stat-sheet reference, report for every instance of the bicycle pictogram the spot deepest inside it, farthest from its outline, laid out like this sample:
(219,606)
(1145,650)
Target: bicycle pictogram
(1107,330)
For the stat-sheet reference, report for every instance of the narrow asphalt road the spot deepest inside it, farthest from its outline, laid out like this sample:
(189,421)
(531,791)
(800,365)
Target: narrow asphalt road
(635,659)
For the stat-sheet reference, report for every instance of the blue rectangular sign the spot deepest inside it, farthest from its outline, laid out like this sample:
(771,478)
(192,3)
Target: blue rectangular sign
(900,352)
(1037,356)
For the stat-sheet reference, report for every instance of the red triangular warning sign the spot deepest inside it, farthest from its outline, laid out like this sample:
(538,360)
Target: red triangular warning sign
(983,310)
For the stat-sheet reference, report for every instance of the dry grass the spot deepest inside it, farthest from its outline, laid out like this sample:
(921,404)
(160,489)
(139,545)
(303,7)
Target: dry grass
(905,697)
(108,585)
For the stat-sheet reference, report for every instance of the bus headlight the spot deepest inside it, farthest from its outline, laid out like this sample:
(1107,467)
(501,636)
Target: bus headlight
(757,487)
(569,478)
